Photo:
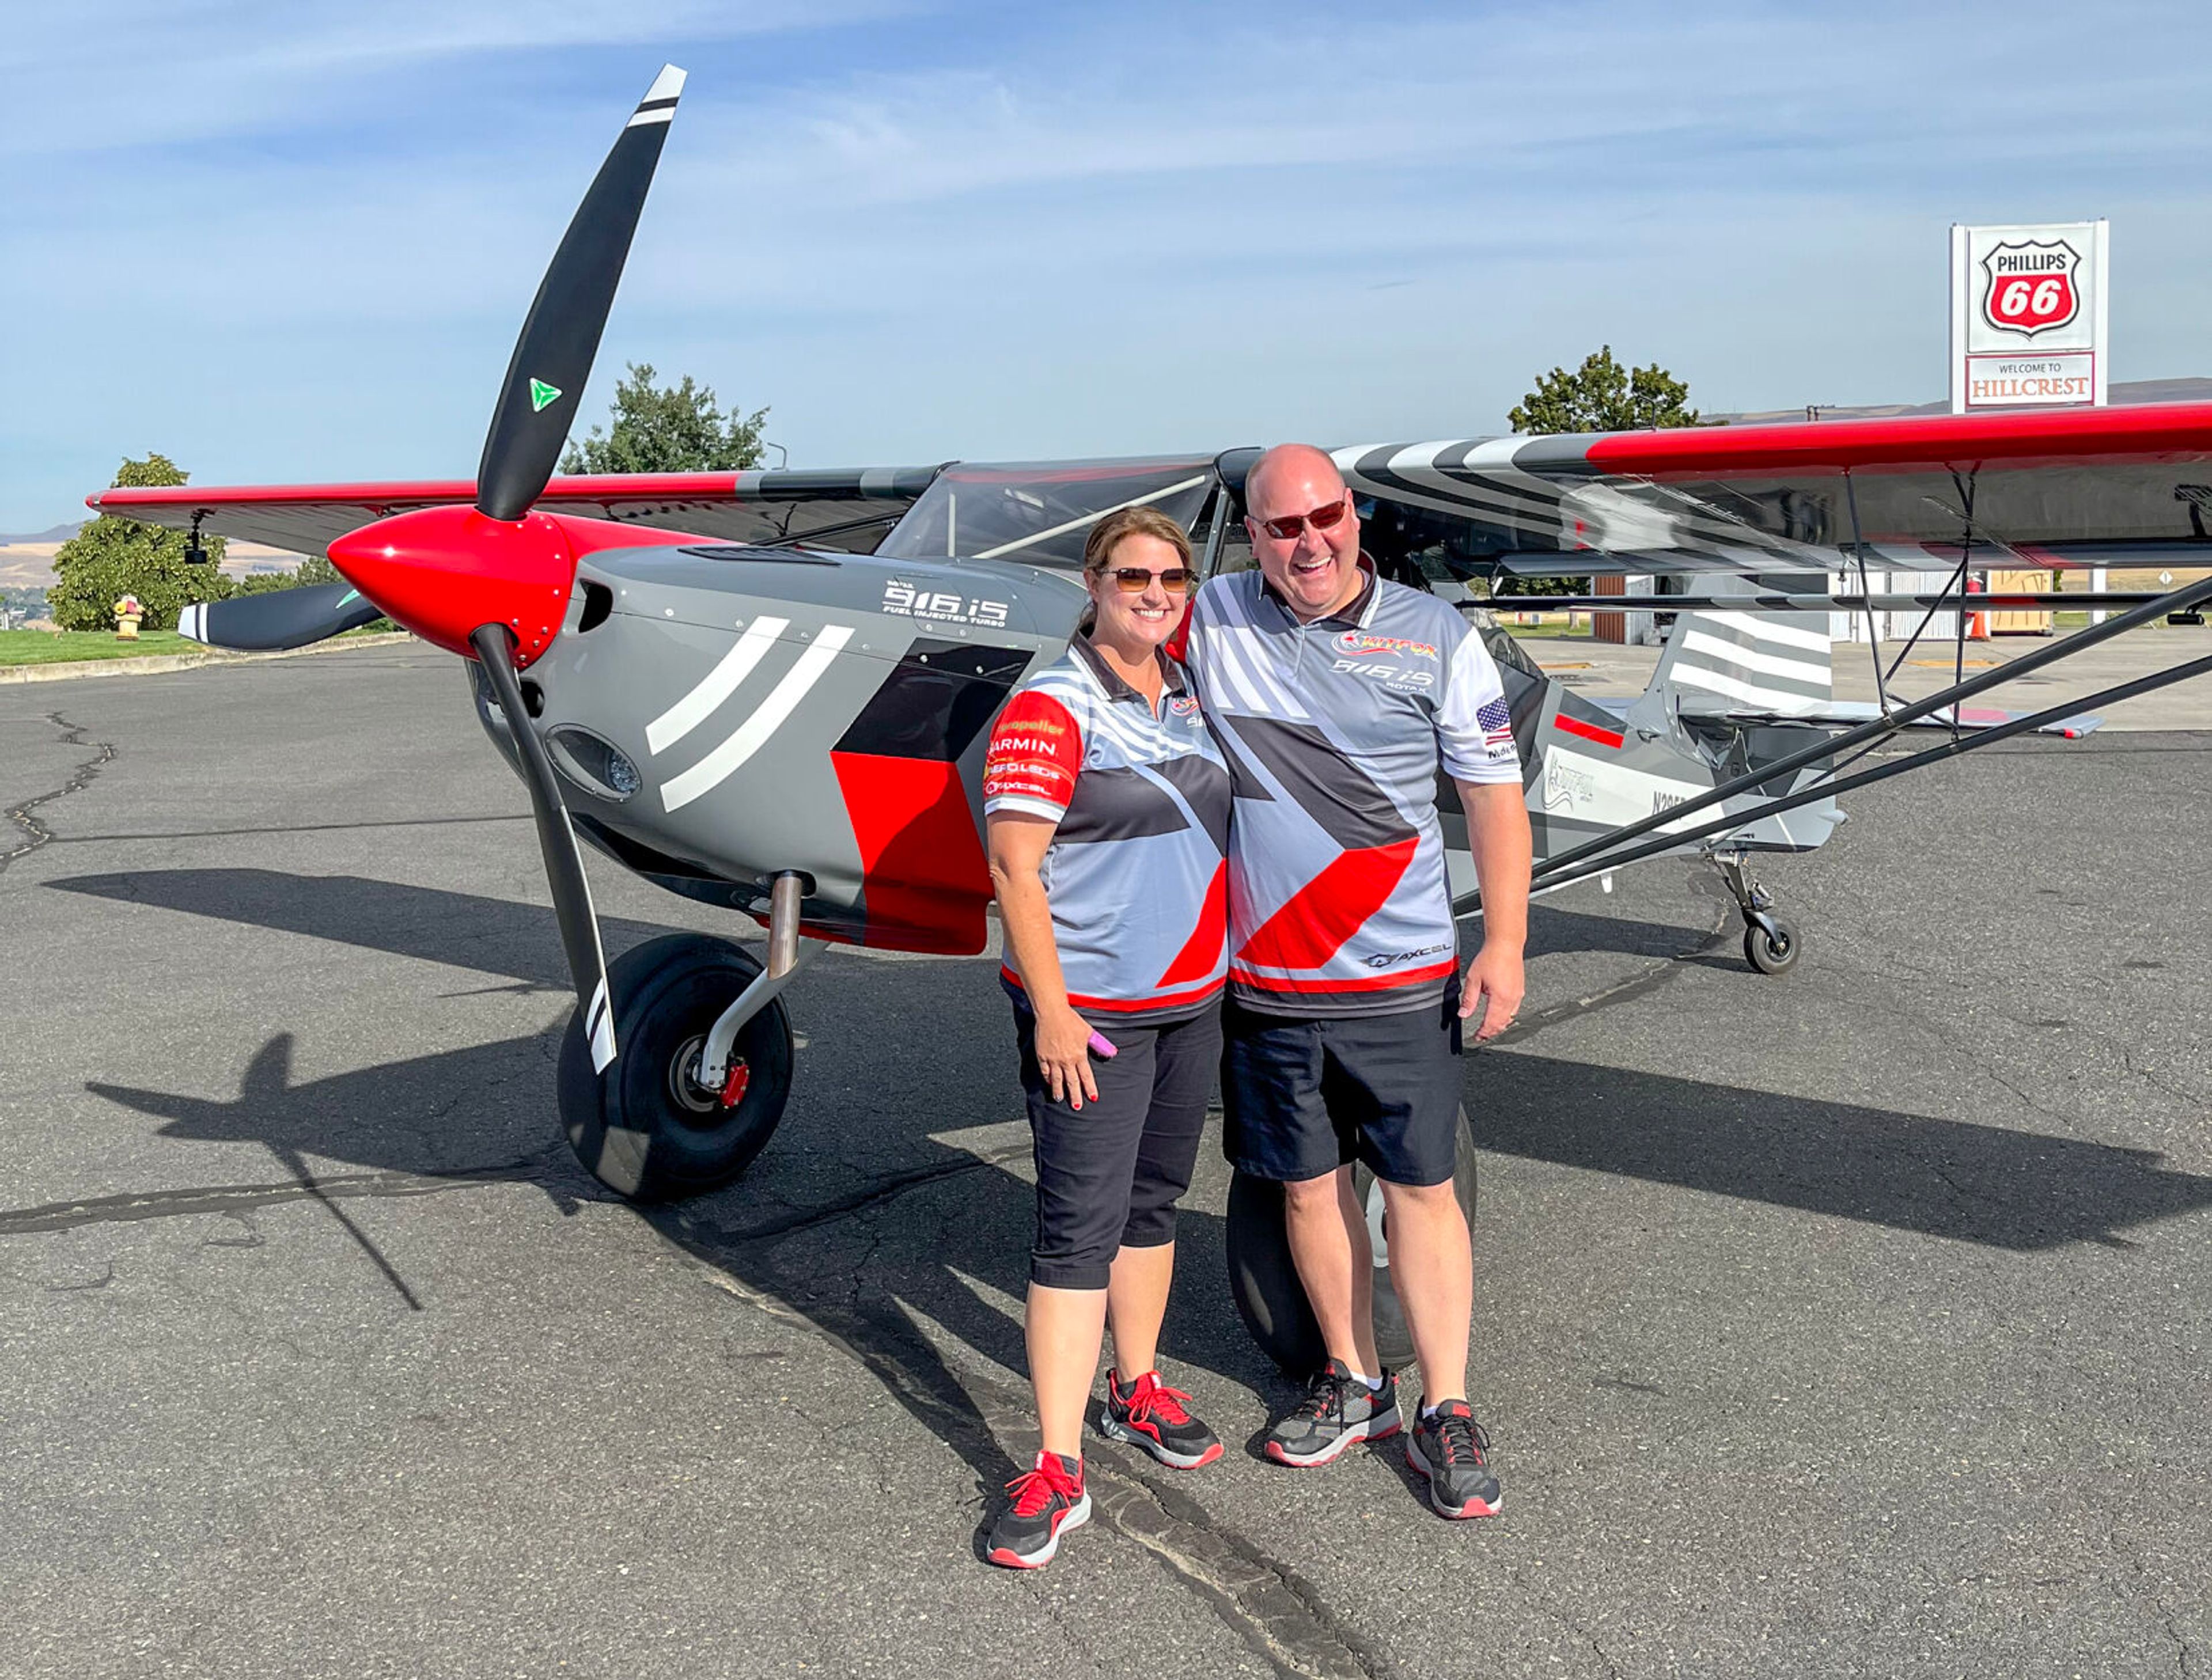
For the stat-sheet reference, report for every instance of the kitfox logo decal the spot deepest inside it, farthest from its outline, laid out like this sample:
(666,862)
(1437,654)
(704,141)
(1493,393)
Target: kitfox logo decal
(2029,287)
(1359,641)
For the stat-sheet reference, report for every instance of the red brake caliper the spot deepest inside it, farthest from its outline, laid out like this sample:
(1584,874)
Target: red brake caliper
(735,1081)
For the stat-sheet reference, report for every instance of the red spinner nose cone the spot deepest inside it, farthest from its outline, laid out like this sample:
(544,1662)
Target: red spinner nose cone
(443,571)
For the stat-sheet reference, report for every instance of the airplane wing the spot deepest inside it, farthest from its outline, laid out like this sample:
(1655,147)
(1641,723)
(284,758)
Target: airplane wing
(845,509)
(2039,490)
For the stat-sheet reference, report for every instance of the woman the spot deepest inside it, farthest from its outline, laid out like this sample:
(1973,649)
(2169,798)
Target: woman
(1107,805)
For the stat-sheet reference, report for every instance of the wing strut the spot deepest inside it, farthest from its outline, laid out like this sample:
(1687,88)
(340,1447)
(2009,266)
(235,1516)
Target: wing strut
(2180,600)
(1828,789)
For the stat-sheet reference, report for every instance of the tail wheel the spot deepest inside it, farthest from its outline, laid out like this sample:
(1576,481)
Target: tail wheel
(647,1128)
(1264,1281)
(1773,950)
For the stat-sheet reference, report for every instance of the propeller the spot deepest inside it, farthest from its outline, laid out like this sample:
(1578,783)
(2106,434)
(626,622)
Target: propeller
(281,618)
(492,582)
(553,358)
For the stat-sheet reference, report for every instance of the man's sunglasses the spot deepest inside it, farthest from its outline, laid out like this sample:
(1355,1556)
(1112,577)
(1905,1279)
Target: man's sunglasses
(1133,579)
(1323,518)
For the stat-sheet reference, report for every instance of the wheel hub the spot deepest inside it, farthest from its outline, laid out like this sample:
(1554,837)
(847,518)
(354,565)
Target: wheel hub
(693,1102)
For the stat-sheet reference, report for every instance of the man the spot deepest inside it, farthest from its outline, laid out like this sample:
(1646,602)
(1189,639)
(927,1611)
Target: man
(1336,696)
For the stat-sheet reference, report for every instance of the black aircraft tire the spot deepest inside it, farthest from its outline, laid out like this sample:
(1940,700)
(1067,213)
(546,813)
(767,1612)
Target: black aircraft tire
(641,1128)
(1264,1282)
(1771,954)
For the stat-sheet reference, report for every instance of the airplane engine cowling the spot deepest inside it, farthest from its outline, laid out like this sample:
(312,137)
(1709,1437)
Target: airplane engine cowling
(792,710)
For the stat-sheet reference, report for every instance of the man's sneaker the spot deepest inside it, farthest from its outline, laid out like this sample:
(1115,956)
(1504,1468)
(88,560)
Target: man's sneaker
(1151,1415)
(1338,1409)
(1453,1451)
(1047,1501)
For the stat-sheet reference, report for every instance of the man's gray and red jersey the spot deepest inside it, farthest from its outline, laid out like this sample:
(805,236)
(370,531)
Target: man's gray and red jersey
(1136,874)
(1339,901)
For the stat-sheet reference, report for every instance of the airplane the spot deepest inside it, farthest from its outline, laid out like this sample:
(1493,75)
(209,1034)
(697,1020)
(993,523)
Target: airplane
(769,691)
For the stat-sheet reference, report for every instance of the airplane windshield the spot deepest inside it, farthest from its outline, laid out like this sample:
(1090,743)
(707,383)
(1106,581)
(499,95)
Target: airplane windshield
(1040,512)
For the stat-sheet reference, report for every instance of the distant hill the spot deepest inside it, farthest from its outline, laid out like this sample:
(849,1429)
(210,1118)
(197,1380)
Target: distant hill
(2124,393)
(53,534)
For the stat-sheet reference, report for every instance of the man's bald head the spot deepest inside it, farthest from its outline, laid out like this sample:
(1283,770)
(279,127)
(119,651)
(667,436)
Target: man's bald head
(1299,468)
(1316,569)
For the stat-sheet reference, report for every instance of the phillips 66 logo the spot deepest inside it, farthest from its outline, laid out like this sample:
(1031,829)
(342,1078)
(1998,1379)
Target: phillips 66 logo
(2030,286)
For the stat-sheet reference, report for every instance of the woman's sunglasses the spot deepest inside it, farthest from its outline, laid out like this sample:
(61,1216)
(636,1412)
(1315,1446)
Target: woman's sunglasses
(1133,579)
(1286,530)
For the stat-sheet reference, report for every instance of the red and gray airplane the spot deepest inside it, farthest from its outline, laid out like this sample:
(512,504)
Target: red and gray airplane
(770,691)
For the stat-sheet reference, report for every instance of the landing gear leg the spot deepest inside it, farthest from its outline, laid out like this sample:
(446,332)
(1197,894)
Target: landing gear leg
(1770,943)
(702,1080)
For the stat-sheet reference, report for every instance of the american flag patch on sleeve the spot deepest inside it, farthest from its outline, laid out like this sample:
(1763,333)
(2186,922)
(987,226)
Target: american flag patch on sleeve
(1496,721)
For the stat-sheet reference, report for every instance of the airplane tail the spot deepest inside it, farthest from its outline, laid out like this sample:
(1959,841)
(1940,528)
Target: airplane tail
(1721,664)
(1746,686)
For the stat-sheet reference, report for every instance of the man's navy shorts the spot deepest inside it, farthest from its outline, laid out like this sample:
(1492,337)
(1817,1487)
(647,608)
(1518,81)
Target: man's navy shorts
(1303,1096)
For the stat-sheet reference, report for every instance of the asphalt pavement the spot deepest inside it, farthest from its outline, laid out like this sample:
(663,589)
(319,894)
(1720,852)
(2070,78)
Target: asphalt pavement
(1851,1323)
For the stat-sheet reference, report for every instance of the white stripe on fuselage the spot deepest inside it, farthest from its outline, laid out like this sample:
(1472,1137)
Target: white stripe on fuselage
(717,685)
(712,771)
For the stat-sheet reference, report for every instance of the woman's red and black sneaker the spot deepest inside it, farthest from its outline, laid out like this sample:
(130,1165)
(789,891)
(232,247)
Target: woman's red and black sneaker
(1151,1415)
(1045,1503)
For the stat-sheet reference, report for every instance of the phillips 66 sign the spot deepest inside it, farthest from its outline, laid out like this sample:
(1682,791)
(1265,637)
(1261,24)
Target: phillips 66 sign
(2027,316)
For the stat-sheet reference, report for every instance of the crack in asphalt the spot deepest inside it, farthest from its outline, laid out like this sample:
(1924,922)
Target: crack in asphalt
(35,833)
(860,1201)
(2184,1655)
(1278,1613)
(231,1198)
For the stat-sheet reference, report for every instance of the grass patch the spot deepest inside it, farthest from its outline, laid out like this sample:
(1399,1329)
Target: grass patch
(43,647)
(1551,630)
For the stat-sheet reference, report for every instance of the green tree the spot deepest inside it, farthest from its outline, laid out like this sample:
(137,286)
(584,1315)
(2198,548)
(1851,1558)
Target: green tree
(110,558)
(675,428)
(1602,395)
(312,570)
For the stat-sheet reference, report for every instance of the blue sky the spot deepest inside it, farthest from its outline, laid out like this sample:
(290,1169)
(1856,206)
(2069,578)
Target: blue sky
(287,243)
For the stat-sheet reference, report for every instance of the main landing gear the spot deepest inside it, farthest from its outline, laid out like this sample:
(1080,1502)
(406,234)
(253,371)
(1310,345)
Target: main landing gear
(1771,944)
(701,1080)
(1263,1279)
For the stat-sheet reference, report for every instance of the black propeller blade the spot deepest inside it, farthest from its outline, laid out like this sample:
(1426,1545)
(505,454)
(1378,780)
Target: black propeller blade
(536,404)
(282,618)
(556,840)
(553,357)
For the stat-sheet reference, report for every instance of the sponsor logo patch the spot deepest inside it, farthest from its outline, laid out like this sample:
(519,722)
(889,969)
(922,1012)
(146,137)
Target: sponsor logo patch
(1359,641)
(1392,959)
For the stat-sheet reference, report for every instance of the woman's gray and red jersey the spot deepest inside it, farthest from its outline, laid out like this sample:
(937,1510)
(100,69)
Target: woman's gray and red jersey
(1339,900)
(1136,875)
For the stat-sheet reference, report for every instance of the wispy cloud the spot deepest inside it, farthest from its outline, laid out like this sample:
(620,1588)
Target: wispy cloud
(281,247)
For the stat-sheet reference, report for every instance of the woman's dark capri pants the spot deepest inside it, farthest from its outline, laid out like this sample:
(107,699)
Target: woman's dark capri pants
(1109,1177)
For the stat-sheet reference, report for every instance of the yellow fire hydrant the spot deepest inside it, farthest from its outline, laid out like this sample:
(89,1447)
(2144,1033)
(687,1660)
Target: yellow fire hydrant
(128,614)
